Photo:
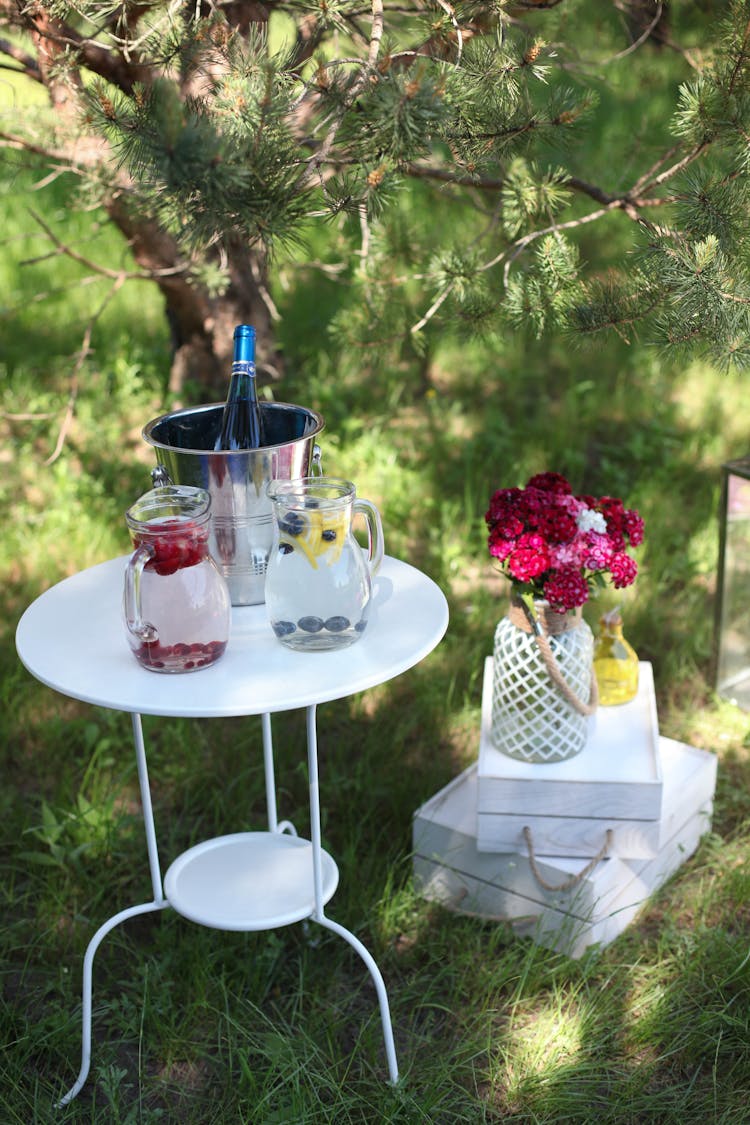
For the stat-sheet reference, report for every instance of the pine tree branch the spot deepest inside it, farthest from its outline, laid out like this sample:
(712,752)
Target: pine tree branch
(29,64)
(434,307)
(511,253)
(516,248)
(450,12)
(536,5)
(92,56)
(23,144)
(734,297)
(648,182)
(114,275)
(641,38)
(309,36)
(629,201)
(376,36)
(83,352)
(741,60)
(647,176)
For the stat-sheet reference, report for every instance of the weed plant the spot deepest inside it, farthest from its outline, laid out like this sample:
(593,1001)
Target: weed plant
(193,1025)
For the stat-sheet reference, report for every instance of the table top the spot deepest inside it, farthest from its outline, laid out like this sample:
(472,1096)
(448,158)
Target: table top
(72,639)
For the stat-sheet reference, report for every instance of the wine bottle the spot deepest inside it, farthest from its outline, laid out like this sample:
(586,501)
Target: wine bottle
(241,424)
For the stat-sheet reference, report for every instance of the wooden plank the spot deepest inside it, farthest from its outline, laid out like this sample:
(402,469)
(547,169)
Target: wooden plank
(448,867)
(693,778)
(548,926)
(616,775)
(444,830)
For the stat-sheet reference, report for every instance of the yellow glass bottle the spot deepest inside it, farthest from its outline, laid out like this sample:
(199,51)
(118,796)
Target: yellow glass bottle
(615,662)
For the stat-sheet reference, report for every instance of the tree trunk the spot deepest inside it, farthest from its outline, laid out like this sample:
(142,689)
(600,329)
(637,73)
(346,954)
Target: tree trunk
(202,325)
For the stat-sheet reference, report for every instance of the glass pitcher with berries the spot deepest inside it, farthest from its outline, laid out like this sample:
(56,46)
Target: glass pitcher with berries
(176,602)
(319,579)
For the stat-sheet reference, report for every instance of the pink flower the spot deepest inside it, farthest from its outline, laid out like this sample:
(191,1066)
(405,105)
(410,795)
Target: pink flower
(598,552)
(623,570)
(572,504)
(499,546)
(565,554)
(529,559)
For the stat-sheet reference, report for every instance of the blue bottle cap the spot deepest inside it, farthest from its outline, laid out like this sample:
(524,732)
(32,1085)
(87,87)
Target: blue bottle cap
(244,344)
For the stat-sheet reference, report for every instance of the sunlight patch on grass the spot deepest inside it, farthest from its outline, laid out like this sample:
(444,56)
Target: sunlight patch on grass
(536,1046)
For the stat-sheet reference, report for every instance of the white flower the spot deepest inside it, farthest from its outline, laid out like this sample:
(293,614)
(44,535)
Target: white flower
(589,520)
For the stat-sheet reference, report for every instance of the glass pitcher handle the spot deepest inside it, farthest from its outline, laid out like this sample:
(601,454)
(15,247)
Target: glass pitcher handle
(132,599)
(375,545)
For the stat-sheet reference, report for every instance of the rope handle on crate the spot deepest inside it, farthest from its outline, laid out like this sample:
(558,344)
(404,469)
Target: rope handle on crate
(553,668)
(572,880)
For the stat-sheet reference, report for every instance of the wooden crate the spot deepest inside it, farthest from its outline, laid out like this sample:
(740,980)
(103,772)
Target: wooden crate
(449,869)
(615,783)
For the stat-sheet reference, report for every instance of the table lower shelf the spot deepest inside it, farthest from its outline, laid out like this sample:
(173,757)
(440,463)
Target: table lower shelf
(248,881)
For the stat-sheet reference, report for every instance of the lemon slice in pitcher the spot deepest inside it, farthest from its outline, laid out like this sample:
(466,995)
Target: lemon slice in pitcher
(319,533)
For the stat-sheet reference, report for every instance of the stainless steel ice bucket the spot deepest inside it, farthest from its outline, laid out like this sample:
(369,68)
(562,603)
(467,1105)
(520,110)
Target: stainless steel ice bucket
(241,522)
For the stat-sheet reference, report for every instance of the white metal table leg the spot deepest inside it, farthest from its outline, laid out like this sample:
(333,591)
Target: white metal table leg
(159,902)
(377,978)
(273,823)
(88,963)
(147,808)
(319,913)
(312,774)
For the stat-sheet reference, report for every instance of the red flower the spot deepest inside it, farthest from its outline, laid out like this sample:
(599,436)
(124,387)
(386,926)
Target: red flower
(567,589)
(559,526)
(613,511)
(549,482)
(634,527)
(502,504)
(553,542)
(529,559)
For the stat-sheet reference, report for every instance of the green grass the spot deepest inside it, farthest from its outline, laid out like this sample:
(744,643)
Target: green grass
(200,1026)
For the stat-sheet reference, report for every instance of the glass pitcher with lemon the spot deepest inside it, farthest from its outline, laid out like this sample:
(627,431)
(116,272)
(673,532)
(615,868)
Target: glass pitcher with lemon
(319,579)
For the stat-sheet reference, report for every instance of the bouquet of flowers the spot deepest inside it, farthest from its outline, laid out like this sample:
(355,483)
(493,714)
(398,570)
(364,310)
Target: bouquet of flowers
(557,546)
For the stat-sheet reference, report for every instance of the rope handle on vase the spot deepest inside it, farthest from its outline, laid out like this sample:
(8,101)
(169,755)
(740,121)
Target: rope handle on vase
(573,880)
(553,668)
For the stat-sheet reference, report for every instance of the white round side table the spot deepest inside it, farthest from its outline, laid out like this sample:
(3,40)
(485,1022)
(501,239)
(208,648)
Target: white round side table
(71,639)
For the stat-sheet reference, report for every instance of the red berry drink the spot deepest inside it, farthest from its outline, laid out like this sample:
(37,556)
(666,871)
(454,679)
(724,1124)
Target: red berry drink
(176,602)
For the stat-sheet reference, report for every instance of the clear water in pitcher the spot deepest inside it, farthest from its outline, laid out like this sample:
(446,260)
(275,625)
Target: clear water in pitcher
(317,589)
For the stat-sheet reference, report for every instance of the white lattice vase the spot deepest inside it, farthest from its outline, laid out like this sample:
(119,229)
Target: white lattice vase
(531,718)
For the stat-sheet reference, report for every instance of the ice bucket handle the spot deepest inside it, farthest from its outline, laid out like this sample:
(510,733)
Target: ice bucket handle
(160,477)
(316,468)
